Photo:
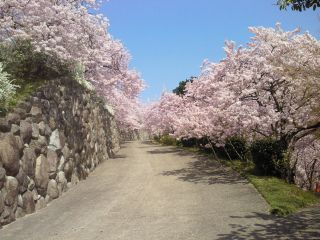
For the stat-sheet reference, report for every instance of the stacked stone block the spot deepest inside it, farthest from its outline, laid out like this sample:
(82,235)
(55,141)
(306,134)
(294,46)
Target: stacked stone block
(48,143)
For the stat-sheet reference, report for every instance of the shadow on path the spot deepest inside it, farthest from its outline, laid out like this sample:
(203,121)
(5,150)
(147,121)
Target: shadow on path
(204,170)
(302,225)
(200,170)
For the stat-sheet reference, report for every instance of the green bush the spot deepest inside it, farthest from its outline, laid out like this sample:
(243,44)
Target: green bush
(168,140)
(189,142)
(156,138)
(22,61)
(7,88)
(268,156)
(236,147)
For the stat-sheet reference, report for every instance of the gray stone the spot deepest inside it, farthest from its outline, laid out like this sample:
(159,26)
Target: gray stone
(6,214)
(13,118)
(62,182)
(69,185)
(28,202)
(68,169)
(35,195)
(31,185)
(45,103)
(74,179)
(35,131)
(48,131)
(52,189)
(25,105)
(2,176)
(28,161)
(20,212)
(85,115)
(42,128)
(36,112)
(9,154)
(23,181)
(20,201)
(35,101)
(41,203)
(41,173)
(29,120)
(39,145)
(52,123)
(4,125)
(55,142)
(21,112)
(15,129)
(61,163)
(19,144)
(1,202)
(52,157)
(25,131)
(11,187)
(47,199)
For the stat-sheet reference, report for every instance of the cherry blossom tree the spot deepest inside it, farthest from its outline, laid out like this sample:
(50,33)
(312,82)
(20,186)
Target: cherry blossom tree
(307,159)
(271,88)
(67,30)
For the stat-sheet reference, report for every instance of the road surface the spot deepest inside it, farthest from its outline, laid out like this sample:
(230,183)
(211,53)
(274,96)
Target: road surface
(151,192)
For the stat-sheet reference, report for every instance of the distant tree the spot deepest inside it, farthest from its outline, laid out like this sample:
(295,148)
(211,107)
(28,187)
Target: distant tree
(299,5)
(180,90)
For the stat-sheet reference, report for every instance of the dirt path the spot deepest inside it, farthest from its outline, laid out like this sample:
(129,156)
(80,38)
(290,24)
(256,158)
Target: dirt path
(152,193)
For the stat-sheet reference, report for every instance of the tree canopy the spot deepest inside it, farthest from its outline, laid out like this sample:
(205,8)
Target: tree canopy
(180,90)
(299,5)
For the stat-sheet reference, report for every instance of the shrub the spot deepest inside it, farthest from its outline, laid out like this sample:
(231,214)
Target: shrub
(236,147)
(268,156)
(188,142)
(156,138)
(168,140)
(7,88)
(22,61)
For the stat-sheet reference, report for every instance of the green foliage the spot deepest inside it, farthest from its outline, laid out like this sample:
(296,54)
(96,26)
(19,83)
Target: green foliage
(168,140)
(7,88)
(180,90)
(283,198)
(189,142)
(24,90)
(299,5)
(268,156)
(25,69)
(236,148)
(22,61)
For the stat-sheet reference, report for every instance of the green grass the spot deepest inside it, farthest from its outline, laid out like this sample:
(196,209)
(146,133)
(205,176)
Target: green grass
(282,197)
(24,89)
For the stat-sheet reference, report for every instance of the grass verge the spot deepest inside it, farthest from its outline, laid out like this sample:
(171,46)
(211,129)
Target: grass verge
(283,198)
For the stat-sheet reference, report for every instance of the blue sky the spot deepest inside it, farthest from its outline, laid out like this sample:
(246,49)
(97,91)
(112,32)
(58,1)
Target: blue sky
(169,39)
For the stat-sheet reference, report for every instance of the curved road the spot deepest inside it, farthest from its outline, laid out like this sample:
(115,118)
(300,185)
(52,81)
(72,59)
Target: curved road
(151,192)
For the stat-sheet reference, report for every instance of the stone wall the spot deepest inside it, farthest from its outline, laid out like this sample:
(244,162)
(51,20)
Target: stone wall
(48,143)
